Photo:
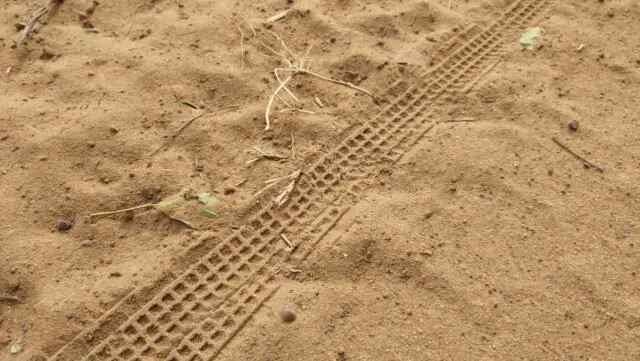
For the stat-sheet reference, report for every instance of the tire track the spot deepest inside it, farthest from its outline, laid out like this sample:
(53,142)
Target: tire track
(196,314)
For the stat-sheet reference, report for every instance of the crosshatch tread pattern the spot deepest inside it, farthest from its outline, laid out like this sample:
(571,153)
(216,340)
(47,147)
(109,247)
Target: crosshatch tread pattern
(198,313)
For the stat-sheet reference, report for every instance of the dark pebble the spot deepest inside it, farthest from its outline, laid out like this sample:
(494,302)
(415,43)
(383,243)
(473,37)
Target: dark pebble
(573,125)
(63,225)
(287,316)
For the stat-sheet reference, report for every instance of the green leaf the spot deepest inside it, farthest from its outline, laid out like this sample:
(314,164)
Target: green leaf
(16,347)
(209,214)
(206,198)
(529,37)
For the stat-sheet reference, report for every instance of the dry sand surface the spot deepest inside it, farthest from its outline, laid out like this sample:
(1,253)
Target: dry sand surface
(442,220)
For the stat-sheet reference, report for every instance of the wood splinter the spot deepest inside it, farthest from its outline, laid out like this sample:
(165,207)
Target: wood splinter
(292,246)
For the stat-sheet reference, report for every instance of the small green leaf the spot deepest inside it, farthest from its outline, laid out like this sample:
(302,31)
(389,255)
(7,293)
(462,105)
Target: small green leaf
(529,37)
(206,198)
(209,214)
(16,347)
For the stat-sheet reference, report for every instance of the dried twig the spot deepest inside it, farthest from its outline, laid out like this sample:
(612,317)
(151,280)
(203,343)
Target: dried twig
(586,163)
(296,65)
(265,155)
(185,125)
(8,298)
(48,7)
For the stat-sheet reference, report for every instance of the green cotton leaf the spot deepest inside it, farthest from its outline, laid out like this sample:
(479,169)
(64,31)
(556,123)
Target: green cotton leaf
(209,214)
(16,347)
(529,37)
(206,198)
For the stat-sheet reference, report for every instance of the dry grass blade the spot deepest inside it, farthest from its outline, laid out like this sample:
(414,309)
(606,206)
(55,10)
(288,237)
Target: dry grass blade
(246,21)
(185,125)
(283,196)
(241,46)
(272,98)
(125,210)
(296,110)
(339,82)
(279,16)
(177,132)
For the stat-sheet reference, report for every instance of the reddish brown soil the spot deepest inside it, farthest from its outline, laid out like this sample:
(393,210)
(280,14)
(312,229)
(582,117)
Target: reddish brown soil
(487,241)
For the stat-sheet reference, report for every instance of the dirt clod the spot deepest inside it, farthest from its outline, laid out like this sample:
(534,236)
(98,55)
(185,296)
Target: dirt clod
(63,225)
(47,54)
(287,316)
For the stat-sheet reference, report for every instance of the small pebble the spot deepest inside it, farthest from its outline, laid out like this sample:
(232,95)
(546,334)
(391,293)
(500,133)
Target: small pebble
(573,125)
(287,316)
(63,225)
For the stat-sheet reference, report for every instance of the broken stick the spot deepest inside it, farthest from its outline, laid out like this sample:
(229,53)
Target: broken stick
(48,7)
(586,163)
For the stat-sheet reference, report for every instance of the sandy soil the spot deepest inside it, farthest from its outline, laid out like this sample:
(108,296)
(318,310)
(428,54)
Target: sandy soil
(482,239)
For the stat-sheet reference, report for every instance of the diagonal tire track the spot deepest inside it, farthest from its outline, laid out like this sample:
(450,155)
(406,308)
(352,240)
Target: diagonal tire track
(199,312)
